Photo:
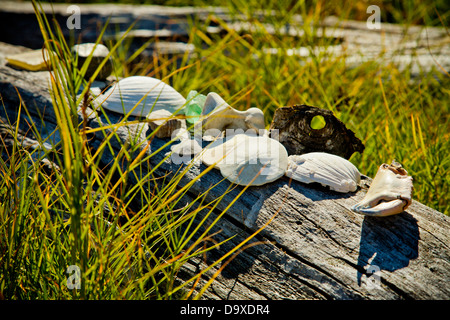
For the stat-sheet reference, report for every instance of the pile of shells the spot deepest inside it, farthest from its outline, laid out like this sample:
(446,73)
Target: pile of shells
(240,146)
(247,154)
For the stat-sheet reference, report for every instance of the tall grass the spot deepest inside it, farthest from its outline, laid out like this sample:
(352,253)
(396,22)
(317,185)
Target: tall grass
(126,230)
(85,217)
(397,115)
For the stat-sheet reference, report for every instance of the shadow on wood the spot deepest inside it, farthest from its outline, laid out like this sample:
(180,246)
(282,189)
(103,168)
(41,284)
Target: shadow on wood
(388,243)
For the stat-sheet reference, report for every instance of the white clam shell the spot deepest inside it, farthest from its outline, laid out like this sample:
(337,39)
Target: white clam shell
(247,159)
(390,192)
(327,169)
(149,94)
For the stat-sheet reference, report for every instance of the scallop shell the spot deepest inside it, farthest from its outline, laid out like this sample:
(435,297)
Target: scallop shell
(247,159)
(149,94)
(327,169)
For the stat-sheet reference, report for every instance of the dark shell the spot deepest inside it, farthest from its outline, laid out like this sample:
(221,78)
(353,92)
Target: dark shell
(295,132)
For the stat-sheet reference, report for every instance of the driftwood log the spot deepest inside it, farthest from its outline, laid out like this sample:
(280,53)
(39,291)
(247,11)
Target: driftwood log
(315,247)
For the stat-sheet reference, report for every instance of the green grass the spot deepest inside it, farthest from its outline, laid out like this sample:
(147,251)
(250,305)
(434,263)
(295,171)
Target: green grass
(127,230)
(51,221)
(425,12)
(396,115)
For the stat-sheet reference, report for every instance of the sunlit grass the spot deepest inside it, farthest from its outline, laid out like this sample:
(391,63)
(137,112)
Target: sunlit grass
(85,216)
(124,228)
(396,115)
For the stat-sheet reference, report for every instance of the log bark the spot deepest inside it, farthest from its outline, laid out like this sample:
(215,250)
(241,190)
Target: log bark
(315,247)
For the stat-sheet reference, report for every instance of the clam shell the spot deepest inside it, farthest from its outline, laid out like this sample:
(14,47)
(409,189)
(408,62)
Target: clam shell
(327,169)
(128,92)
(246,159)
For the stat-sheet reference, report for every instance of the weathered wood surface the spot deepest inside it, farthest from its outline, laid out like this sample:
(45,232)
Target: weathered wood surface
(314,248)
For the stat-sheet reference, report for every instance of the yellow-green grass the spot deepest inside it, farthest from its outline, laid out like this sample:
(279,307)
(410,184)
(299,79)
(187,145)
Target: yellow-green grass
(49,221)
(397,115)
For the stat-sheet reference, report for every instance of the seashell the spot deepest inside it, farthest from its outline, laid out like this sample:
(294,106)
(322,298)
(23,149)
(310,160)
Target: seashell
(221,116)
(30,60)
(247,159)
(327,169)
(187,147)
(390,192)
(166,122)
(292,127)
(98,53)
(139,95)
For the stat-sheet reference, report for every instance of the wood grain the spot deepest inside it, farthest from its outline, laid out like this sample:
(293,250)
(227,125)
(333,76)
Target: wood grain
(314,248)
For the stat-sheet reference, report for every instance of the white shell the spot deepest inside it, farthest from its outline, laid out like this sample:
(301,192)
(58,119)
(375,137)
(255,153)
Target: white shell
(30,60)
(217,114)
(187,147)
(327,169)
(390,192)
(247,159)
(165,122)
(94,49)
(155,94)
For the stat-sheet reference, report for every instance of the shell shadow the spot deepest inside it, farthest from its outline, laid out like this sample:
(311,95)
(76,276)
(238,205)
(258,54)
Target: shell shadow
(315,191)
(387,243)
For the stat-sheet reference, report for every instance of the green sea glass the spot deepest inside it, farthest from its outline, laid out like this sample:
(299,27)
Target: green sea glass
(194,107)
